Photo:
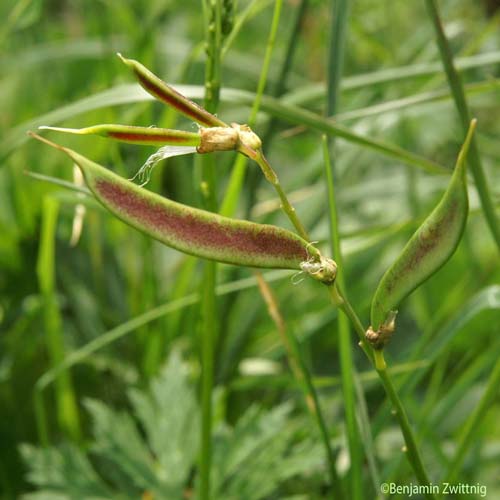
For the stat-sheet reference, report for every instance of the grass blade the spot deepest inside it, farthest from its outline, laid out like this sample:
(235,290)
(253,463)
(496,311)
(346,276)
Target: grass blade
(458,92)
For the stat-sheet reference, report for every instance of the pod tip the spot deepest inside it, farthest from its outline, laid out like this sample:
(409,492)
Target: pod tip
(123,59)
(60,129)
(46,141)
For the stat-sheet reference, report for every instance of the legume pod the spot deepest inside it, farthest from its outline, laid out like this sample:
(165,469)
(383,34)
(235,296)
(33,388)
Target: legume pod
(429,248)
(164,92)
(193,231)
(136,135)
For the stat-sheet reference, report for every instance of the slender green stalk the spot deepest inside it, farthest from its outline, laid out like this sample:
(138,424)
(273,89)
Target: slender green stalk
(348,372)
(377,358)
(336,52)
(287,207)
(235,185)
(209,334)
(212,12)
(411,449)
(335,63)
(254,178)
(457,89)
(301,116)
(472,423)
(302,375)
(67,410)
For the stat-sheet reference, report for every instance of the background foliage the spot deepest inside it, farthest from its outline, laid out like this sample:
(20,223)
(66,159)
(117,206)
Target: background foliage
(56,298)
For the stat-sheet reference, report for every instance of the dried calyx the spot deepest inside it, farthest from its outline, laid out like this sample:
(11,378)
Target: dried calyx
(379,338)
(320,268)
(237,137)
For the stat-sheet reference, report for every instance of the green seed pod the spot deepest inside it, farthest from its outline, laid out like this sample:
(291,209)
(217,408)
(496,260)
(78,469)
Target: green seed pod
(429,248)
(136,135)
(159,89)
(197,232)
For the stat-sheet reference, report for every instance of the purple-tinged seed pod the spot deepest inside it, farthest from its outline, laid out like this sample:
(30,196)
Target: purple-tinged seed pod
(164,92)
(193,231)
(428,249)
(136,135)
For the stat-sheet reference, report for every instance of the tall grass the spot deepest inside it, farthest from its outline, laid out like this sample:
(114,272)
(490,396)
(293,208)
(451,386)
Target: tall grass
(70,317)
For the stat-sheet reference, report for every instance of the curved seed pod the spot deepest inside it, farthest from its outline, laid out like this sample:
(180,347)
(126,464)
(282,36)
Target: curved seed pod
(190,230)
(428,249)
(136,135)
(159,89)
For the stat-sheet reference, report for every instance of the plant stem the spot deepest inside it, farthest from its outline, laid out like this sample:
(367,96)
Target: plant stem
(235,185)
(378,361)
(208,333)
(302,375)
(457,90)
(287,207)
(347,369)
(410,449)
(254,178)
(335,65)
(212,12)
(336,52)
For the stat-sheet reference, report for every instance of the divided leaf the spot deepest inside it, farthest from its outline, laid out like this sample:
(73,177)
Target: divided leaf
(429,248)
(251,460)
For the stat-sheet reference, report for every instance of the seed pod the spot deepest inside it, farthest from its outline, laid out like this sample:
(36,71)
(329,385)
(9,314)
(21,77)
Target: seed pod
(136,135)
(193,231)
(429,248)
(159,89)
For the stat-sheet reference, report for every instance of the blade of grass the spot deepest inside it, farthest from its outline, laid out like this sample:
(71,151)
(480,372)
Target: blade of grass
(233,191)
(335,67)
(212,13)
(316,91)
(302,375)
(67,411)
(456,86)
(56,181)
(252,9)
(125,94)
(300,116)
(472,424)
(347,369)
(254,177)
(107,338)
(472,89)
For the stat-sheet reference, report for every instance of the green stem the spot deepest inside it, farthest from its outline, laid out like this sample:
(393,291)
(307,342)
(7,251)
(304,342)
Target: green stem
(336,52)
(378,361)
(457,90)
(235,185)
(411,449)
(254,178)
(348,372)
(335,64)
(287,207)
(208,334)
(213,12)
